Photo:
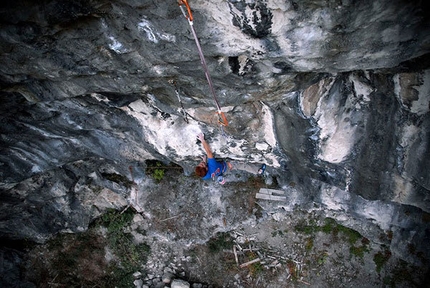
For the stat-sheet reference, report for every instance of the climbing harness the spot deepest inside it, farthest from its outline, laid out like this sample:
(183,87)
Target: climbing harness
(189,16)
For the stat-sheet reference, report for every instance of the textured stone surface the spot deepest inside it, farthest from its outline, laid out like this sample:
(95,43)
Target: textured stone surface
(333,96)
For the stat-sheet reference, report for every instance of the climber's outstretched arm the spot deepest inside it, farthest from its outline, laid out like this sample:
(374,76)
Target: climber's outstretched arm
(205,144)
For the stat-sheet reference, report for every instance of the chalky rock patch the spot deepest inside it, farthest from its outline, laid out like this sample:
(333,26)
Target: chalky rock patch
(253,19)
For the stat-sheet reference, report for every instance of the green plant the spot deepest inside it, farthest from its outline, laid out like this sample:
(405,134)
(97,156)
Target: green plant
(158,174)
(322,258)
(332,227)
(351,235)
(76,260)
(305,228)
(329,225)
(380,259)
(156,169)
(309,244)
(292,269)
(255,268)
(358,251)
(223,240)
(130,256)
(278,232)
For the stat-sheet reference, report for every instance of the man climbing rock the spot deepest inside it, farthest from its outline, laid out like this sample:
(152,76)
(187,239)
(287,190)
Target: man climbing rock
(209,168)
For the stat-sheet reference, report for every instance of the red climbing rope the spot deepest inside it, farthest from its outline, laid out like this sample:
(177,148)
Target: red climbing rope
(188,14)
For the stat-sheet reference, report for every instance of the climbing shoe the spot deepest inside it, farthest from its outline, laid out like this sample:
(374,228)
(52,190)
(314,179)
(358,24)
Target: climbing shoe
(262,169)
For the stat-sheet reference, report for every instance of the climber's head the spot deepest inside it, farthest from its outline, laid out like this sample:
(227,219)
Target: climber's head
(201,169)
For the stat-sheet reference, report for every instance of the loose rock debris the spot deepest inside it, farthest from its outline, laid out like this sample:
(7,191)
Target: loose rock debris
(202,235)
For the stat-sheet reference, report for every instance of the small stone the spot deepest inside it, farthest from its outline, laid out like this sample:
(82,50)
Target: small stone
(178,283)
(167,277)
(168,270)
(138,283)
(137,275)
(138,218)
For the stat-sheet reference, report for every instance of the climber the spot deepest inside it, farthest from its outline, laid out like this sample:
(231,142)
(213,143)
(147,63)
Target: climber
(209,168)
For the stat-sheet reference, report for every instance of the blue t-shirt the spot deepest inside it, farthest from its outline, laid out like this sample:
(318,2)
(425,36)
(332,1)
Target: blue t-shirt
(215,169)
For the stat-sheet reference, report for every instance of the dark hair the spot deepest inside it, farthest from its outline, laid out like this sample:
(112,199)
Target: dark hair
(201,171)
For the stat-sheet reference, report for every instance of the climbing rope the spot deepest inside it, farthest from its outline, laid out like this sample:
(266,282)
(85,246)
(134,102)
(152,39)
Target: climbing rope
(222,120)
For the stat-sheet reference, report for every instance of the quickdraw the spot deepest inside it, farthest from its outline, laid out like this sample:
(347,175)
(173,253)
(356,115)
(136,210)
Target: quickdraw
(183,112)
(189,16)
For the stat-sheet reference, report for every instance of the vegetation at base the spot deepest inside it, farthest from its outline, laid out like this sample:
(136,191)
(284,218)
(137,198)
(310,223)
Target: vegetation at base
(255,268)
(130,256)
(358,251)
(309,244)
(321,257)
(157,169)
(380,259)
(78,260)
(307,228)
(330,226)
(221,241)
(292,270)
(279,233)
(158,172)
(404,275)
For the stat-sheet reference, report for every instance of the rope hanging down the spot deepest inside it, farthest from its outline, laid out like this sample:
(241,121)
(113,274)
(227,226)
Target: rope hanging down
(187,14)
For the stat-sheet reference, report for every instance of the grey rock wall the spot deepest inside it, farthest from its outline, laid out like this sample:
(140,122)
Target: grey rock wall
(332,95)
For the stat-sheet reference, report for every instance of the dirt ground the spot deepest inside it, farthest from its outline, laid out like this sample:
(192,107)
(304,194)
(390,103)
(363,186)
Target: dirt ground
(213,235)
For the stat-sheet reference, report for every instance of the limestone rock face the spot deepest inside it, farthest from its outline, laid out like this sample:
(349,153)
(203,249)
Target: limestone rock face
(333,96)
